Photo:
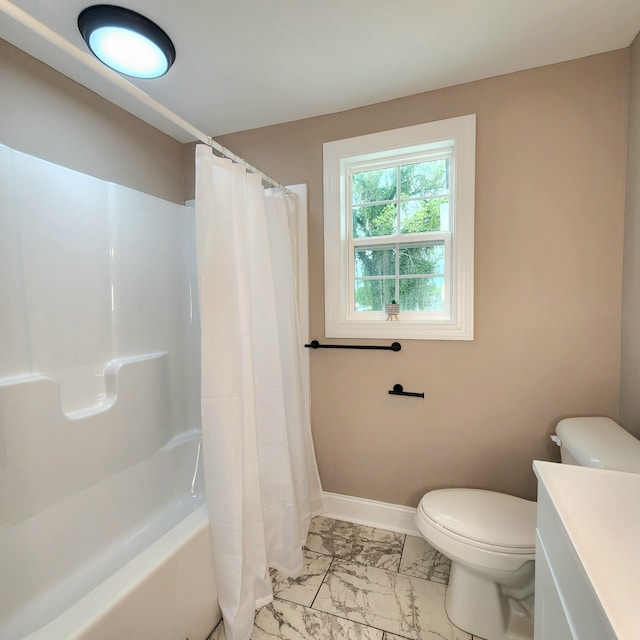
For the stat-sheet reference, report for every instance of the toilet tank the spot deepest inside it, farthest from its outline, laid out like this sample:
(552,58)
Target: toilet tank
(598,442)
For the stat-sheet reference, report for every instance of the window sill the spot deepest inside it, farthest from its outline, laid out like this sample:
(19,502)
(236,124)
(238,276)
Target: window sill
(399,329)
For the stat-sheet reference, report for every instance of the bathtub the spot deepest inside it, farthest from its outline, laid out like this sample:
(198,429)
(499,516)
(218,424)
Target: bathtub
(129,558)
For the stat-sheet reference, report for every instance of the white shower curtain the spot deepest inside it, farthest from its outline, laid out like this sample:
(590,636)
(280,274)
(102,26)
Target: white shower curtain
(261,478)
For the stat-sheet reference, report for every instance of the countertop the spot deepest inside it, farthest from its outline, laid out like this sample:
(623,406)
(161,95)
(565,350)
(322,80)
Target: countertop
(600,511)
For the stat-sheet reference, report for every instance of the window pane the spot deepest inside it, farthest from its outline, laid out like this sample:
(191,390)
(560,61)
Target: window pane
(372,295)
(375,262)
(421,294)
(375,220)
(374,186)
(422,260)
(424,215)
(425,178)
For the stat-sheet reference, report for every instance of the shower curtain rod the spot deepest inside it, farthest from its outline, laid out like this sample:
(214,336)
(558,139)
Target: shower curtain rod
(28,21)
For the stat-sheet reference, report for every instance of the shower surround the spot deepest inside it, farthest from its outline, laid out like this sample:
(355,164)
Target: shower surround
(103,528)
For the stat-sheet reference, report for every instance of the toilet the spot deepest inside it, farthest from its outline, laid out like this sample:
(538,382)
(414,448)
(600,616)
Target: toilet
(490,537)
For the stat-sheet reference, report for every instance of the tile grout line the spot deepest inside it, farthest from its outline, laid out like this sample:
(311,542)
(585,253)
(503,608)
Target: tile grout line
(404,544)
(326,573)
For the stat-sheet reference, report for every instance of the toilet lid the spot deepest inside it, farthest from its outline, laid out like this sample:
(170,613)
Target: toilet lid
(484,516)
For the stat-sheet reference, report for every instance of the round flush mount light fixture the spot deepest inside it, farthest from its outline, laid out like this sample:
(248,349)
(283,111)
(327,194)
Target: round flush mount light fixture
(126,41)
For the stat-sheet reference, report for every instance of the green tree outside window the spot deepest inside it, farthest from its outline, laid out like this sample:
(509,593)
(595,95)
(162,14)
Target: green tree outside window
(396,202)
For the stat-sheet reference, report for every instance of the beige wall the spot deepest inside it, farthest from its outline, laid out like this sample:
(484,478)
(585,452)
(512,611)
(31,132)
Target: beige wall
(550,189)
(550,179)
(630,346)
(47,115)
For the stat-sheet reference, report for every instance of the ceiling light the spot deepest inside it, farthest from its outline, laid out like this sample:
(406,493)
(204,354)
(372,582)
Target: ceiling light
(126,41)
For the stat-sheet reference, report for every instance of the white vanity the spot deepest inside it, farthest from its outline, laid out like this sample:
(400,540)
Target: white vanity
(587,554)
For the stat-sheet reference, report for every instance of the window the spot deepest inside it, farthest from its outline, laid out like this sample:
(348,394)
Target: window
(399,209)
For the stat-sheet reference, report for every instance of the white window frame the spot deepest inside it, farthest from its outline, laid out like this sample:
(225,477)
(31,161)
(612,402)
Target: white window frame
(454,136)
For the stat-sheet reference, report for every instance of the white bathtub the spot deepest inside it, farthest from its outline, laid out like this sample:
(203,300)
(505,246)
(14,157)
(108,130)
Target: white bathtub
(127,558)
(166,592)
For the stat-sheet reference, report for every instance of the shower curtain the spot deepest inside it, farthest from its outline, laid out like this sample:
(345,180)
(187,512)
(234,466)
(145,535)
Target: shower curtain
(261,479)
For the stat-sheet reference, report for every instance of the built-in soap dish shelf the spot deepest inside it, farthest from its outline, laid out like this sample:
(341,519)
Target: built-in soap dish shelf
(83,391)
(94,441)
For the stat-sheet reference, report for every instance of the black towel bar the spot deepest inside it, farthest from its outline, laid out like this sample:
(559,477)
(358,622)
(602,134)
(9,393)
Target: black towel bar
(314,344)
(398,390)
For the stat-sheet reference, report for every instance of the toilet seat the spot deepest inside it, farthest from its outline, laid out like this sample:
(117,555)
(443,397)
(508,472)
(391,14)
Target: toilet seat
(488,520)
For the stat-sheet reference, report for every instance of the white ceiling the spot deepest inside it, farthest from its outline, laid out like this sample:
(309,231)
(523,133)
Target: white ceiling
(249,63)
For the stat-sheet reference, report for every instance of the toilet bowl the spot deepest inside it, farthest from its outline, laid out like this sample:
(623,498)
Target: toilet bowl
(490,539)
(490,536)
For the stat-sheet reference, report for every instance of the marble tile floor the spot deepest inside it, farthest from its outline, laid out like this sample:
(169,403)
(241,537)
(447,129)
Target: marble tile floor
(359,583)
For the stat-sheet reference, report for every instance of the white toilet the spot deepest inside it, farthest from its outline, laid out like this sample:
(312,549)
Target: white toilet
(490,536)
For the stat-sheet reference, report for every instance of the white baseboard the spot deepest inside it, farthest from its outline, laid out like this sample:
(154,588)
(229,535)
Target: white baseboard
(393,517)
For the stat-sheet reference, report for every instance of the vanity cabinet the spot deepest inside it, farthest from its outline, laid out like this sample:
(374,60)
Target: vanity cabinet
(587,554)
(550,619)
